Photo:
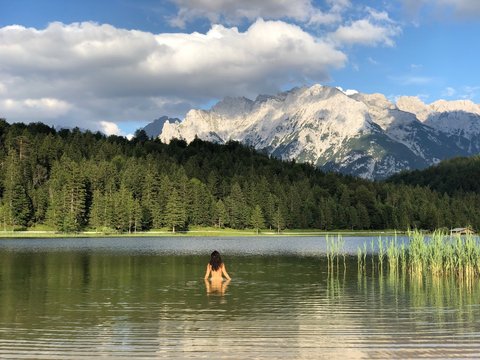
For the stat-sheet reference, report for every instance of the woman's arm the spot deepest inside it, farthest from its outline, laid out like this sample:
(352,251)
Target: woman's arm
(224,271)
(207,274)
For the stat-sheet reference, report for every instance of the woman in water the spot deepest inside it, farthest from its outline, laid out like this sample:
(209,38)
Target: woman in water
(216,268)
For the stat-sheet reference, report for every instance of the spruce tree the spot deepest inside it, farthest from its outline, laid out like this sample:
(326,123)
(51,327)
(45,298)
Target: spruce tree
(175,211)
(257,220)
(220,214)
(21,206)
(98,211)
(278,220)
(4,216)
(237,207)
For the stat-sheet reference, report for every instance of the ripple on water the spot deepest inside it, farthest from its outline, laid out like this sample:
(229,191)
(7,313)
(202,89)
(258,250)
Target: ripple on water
(92,301)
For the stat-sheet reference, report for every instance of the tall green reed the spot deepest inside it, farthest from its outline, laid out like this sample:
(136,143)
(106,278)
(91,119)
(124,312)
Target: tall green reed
(438,254)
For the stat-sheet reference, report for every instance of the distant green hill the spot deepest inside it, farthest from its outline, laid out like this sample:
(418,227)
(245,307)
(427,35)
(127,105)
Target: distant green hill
(458,175)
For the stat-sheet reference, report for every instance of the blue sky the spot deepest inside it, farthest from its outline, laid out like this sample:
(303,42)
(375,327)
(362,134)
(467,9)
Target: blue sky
(116,65)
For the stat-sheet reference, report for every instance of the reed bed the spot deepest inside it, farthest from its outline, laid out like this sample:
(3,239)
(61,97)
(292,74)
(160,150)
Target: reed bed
(335,251)
(438,254)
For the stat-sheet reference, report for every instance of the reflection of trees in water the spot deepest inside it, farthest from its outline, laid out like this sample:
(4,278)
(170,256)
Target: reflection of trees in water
(301,303)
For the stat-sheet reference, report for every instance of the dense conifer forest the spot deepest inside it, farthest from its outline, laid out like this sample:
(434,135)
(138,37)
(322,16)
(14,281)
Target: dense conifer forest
(71,181)
(458,175)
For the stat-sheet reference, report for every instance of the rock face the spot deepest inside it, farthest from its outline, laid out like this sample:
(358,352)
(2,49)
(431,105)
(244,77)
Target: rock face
(154,129)
(360,134)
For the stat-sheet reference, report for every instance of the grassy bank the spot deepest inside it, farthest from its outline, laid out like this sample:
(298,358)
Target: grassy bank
(45,232)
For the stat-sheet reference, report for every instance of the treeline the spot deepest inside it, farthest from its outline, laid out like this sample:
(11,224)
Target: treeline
(458,175)
(72,181)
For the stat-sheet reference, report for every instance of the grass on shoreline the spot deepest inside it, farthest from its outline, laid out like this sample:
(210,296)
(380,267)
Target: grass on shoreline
(44,232)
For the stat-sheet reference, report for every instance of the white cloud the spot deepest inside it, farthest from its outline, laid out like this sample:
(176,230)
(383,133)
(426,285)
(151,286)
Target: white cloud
(84,73)
(235,11)
(470,92)
(42,108)
(376,29)
(110,128)
(449,92)
(412,80)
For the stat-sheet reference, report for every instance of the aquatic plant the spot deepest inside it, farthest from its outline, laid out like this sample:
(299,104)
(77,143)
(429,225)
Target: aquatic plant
(438,254)
(335,249)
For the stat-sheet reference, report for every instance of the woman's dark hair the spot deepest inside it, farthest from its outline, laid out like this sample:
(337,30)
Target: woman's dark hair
(215,260)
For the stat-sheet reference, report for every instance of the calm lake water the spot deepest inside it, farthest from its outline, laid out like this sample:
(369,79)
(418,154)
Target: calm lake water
(146,298)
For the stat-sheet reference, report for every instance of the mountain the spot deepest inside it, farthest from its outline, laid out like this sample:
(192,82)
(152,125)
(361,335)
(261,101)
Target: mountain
(360,134)
(154,129)
(459,119)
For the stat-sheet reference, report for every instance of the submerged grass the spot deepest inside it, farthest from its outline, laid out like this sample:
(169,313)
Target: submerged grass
(335,251)
(439,254)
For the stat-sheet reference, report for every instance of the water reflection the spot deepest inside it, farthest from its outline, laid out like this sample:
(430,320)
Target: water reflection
(72,304)
(216,286)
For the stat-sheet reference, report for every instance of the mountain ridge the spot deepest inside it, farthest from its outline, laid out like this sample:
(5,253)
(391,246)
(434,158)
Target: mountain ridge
(345,131)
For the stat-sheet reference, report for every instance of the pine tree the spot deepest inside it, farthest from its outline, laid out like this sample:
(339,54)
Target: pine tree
(151,199)
(98,218)
(18,203)
(278,220)
(137,215)
(4,220)
(123,201)
(75,198)
(220,214)
(363,218)
(175,211)
(21,206)
(257,220)
(237,207)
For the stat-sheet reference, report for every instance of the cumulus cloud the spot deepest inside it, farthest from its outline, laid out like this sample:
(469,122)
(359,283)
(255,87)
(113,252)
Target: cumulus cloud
(91,75)
(42,108)
(234,11)
(110,128)
(375,29)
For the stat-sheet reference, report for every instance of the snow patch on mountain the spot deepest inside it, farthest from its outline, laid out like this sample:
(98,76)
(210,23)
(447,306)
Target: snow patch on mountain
(460,117)
(347,131)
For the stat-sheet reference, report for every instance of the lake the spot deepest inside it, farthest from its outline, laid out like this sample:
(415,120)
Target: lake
(146,298)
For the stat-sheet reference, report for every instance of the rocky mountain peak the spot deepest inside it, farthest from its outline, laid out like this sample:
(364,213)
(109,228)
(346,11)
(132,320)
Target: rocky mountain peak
(361,134)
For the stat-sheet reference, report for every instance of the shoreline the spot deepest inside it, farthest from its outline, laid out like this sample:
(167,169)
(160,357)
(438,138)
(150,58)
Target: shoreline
(194,233)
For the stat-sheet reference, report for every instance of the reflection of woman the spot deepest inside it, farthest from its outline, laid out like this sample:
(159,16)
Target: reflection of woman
(216,287)
(216,268)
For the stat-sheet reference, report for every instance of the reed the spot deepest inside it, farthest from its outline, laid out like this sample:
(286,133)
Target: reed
(403,257)
(335,250)
(381,253)
(438,254)
(393,253)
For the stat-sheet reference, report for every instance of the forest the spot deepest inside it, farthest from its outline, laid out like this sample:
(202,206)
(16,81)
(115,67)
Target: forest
(72,180)
(457,175)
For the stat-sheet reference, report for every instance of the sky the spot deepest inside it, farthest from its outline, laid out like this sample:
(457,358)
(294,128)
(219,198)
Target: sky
(115,66)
